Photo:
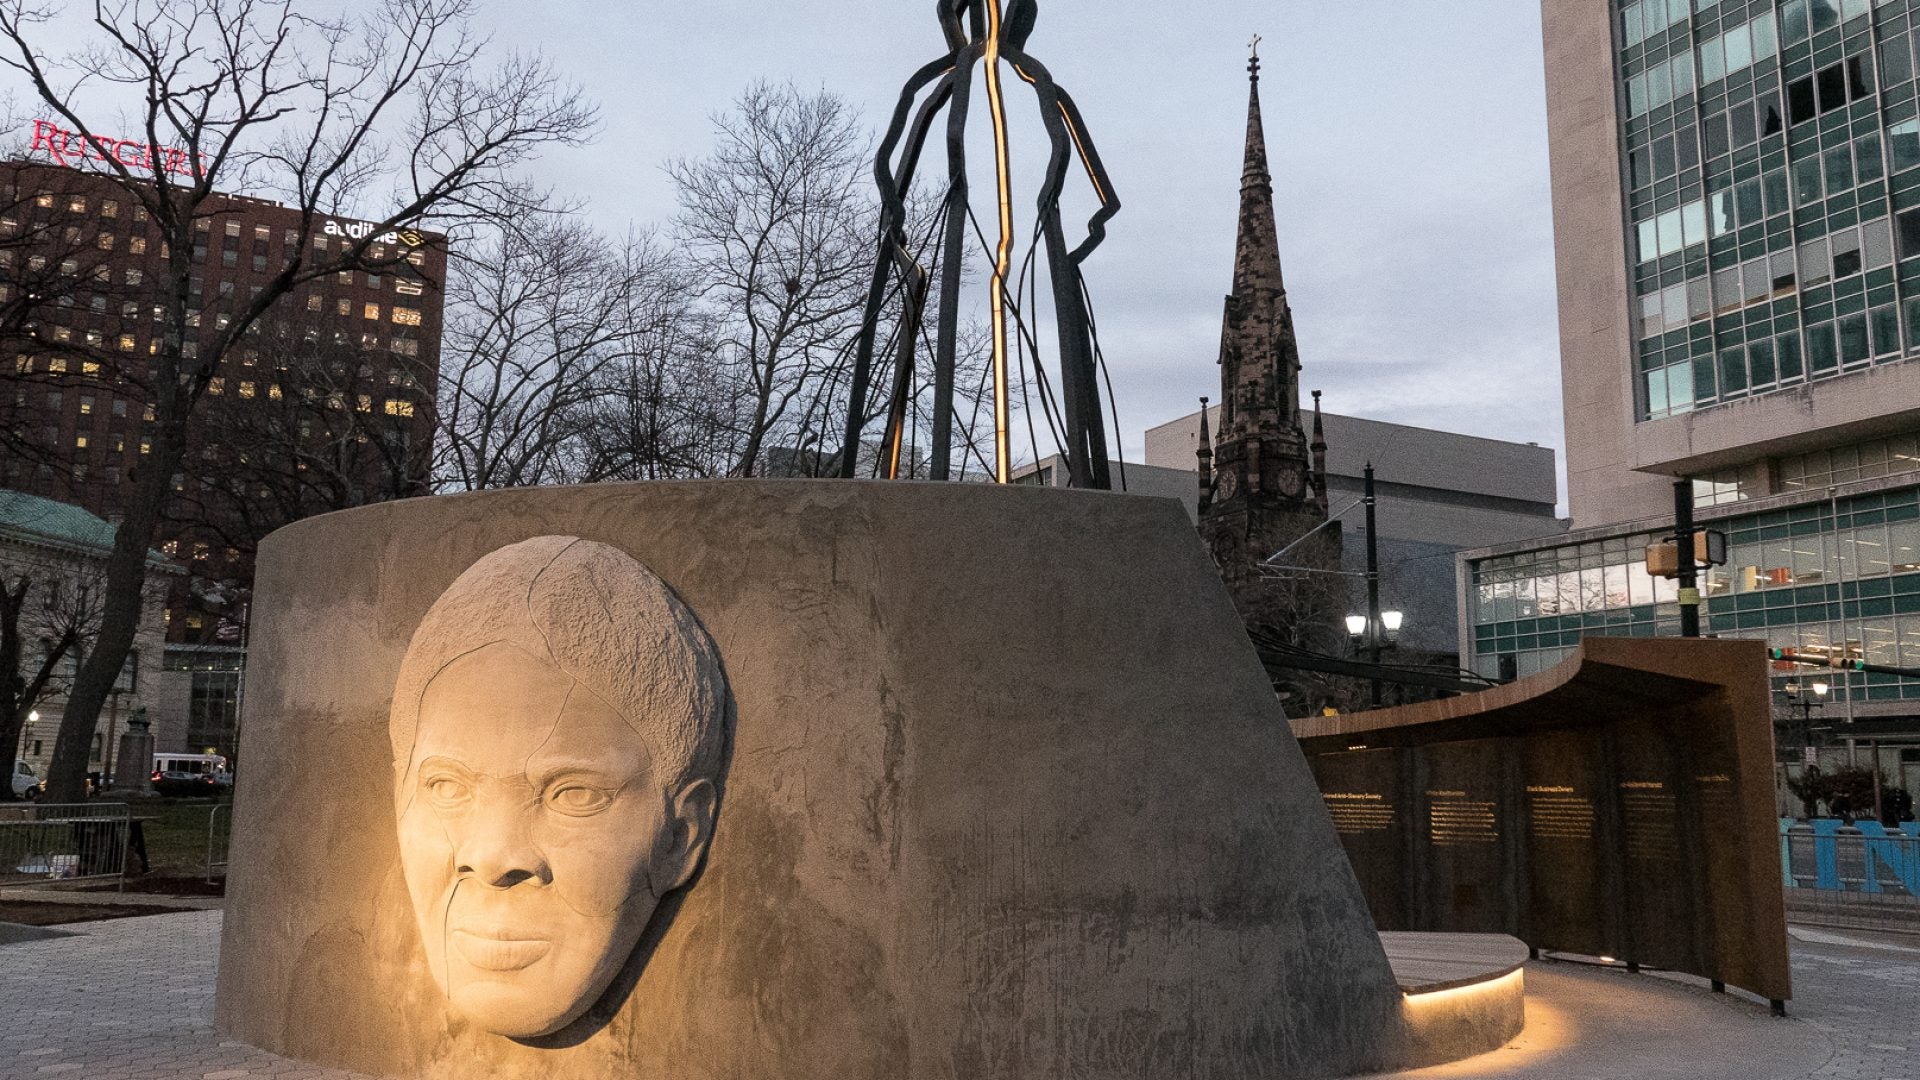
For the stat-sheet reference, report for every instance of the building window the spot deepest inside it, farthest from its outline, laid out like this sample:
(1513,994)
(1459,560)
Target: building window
(1737,49)
(406,316)
(109,208)
(343,306)
(397,407)
(77,204)
(1830,88)
(408,288)
(372,311)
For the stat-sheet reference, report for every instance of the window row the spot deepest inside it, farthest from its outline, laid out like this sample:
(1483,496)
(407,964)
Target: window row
(75,204)
(1735,371)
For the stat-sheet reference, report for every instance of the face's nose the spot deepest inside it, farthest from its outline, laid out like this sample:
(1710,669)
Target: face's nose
(495,844)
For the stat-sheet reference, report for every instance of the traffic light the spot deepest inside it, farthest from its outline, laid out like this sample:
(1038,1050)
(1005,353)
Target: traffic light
(1709,549)
(1793,656)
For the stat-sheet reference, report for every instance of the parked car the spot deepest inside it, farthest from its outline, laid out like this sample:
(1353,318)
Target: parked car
(26,782)
(191,774)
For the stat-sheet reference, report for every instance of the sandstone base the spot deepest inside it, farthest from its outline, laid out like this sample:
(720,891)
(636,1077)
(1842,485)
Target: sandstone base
(1009,796)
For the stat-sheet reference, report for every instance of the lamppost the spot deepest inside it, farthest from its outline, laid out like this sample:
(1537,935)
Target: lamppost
(1366,633)
(1806,703)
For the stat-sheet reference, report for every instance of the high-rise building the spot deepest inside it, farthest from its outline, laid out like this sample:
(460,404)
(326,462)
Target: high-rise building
(327,403)
(1736,193)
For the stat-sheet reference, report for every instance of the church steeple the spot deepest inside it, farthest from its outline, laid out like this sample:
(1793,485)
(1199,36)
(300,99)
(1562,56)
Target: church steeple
(1256,261)
(1259,358)
(1263,495)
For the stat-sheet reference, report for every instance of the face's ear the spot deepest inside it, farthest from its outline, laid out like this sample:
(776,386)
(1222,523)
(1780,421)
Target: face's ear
(690,813)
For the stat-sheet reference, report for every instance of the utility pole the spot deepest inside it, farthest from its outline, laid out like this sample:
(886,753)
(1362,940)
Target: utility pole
(1683,543)
(1373,587)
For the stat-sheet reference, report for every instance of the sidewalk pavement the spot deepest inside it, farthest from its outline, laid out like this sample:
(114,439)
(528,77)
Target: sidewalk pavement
(132,999)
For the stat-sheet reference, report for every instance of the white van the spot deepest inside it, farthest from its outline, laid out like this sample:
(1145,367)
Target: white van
(26,782)
(191,774)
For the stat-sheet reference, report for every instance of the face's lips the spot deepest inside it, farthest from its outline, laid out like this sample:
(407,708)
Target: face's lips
(499,950)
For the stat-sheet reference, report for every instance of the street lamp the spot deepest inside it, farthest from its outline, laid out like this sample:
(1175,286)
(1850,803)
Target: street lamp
(1390,623)
(1806,703)
(1373,636)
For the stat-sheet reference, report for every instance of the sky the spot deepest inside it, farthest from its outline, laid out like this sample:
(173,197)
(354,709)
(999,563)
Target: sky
(1407,140)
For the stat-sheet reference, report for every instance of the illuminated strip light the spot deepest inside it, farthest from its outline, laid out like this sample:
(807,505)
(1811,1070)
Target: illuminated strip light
(1489,988)
(1003,254)
(900,432)
(1073,130)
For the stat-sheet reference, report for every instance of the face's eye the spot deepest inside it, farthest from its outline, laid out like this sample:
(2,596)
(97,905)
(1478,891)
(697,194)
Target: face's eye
(447,791)
(578,800)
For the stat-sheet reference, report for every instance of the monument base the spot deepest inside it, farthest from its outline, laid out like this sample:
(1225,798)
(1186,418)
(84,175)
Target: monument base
(1008,795)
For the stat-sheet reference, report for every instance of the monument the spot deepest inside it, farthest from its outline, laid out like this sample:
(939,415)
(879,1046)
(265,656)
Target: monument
(984,34)
(783,779)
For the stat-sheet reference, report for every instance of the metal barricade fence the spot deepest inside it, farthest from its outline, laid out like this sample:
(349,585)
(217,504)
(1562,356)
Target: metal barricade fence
(219,836)
(60,843)
(1864,875)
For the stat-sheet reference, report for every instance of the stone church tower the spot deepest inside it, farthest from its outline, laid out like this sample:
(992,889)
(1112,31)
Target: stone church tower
(1265,491)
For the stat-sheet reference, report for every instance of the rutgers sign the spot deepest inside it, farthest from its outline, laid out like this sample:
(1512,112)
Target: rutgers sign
(72,149)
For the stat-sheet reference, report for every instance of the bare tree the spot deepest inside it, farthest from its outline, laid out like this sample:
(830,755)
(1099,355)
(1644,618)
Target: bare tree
(395,117)
(542,320)
(664,407)
(55,610)
(778,224)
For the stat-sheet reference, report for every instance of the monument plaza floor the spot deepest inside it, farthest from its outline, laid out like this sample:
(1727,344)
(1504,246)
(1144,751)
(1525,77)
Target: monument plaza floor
(132,998)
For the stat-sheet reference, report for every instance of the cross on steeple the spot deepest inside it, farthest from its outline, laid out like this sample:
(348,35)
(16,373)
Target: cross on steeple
(1253,62)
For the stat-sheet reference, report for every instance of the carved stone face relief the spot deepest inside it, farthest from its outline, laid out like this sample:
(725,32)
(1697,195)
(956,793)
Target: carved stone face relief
(558,732)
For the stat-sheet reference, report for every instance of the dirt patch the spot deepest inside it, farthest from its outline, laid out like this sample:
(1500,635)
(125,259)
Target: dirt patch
(36,913)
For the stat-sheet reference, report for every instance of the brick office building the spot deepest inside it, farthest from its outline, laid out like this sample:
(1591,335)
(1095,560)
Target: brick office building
(328,402)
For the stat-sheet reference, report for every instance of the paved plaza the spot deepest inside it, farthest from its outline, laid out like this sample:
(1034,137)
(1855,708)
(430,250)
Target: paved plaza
(132,999)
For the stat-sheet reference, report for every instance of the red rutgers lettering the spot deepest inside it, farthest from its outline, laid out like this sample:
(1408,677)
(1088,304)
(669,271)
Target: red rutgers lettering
(68,148)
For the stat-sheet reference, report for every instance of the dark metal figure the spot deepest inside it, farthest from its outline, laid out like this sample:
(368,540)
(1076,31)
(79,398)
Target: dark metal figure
(979,30)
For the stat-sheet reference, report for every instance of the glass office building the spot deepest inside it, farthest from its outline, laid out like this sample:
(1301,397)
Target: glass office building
(1737,234)
(1772,173)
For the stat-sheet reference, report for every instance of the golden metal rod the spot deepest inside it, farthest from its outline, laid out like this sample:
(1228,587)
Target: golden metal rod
(1003,255)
